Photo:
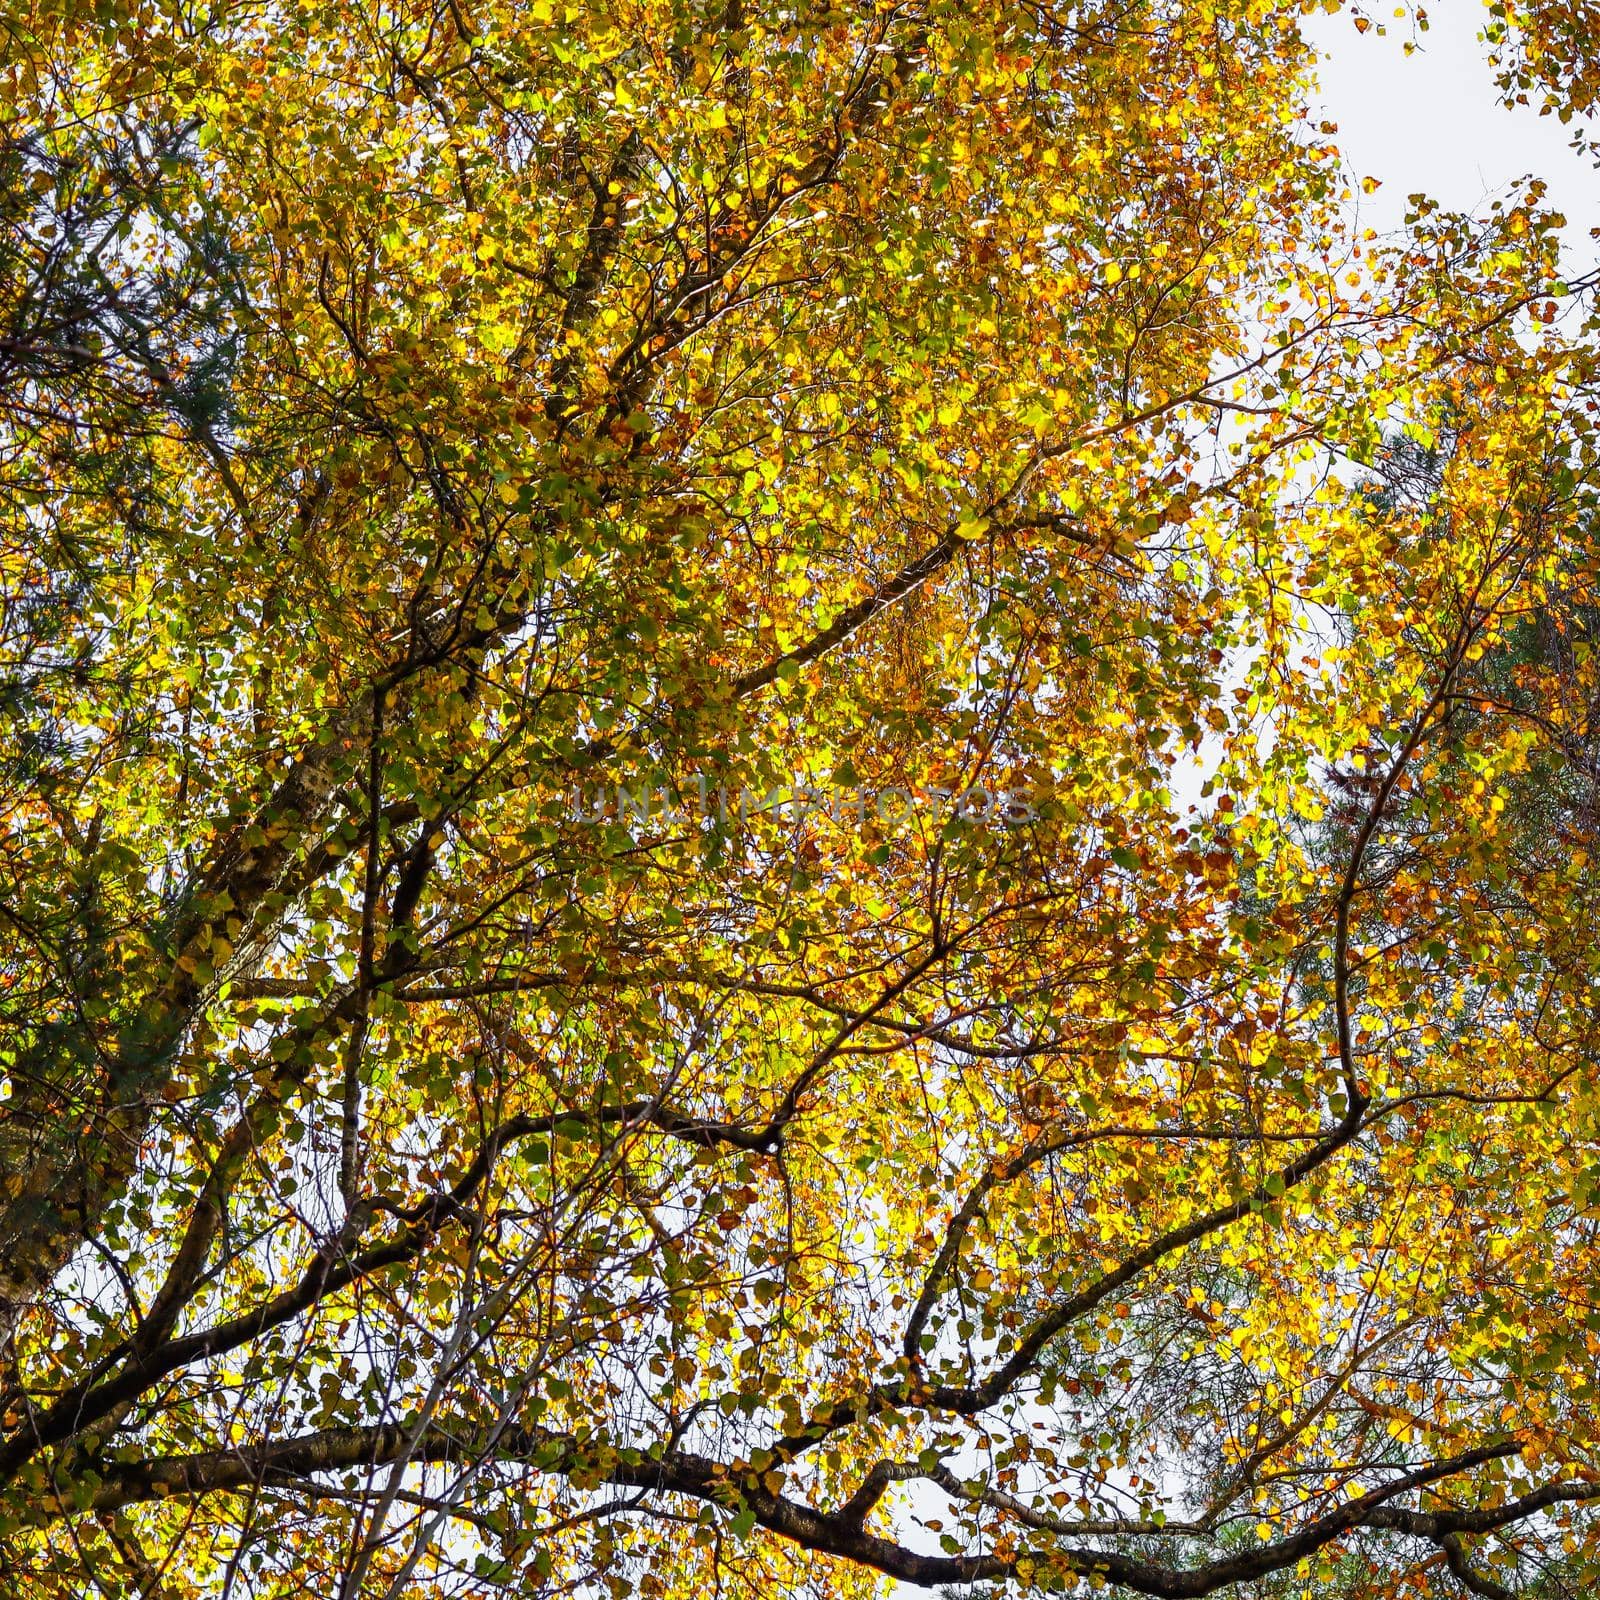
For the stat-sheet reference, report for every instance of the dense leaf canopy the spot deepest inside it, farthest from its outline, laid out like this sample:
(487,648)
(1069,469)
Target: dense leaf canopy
(788,797)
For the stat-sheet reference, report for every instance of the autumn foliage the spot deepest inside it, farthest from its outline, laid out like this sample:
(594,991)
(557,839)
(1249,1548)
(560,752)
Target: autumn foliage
(1072,1062)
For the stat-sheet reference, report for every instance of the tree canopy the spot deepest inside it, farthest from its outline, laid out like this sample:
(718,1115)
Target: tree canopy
(789,797)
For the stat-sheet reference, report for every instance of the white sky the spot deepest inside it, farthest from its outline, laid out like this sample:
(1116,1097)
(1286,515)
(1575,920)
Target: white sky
(1431,123)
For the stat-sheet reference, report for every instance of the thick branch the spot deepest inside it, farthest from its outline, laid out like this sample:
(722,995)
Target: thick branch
(292,1462)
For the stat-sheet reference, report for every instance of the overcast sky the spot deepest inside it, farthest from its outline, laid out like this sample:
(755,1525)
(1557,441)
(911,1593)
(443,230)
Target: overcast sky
(1430,122)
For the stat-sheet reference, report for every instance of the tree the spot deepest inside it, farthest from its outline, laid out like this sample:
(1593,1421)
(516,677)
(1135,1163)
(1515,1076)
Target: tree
(722,862)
